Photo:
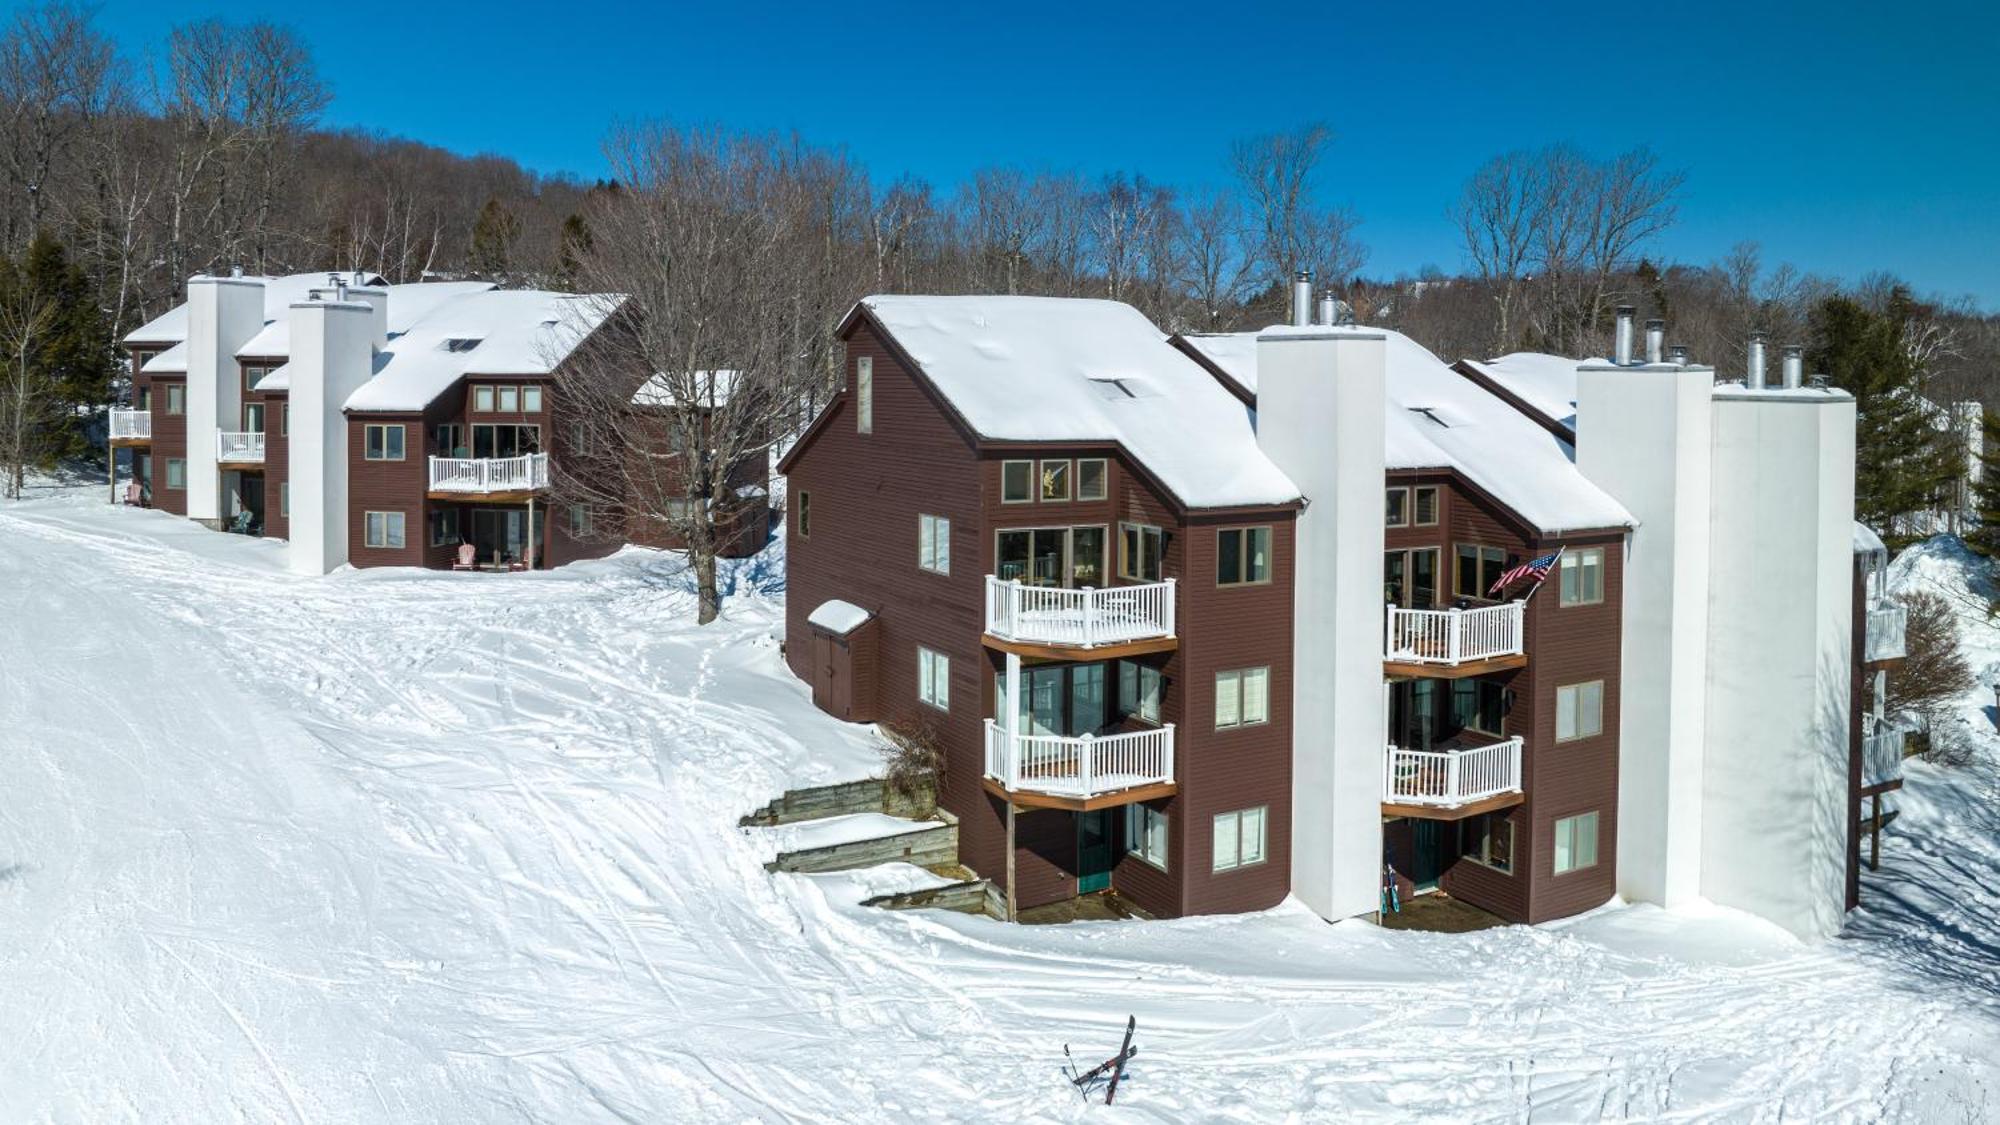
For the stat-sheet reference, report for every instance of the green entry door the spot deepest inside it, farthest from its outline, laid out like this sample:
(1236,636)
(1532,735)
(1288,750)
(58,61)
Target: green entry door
(1428,862)
(1093,851)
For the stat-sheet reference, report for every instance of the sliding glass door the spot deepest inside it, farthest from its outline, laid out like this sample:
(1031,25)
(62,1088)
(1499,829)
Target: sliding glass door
(1064,700)
(1051,556)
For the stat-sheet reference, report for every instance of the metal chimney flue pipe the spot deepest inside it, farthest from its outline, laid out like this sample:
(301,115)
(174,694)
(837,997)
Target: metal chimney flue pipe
(1302,298)
(1622,353)
(1754,373)
(1678,354)
(1795,366)
(1327,305)
(1656,341)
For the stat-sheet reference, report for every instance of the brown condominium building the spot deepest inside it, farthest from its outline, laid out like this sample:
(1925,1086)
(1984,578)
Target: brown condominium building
(1211,620)
(371,424)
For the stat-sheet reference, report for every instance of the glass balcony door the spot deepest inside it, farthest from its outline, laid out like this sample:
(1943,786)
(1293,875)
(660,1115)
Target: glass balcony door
(1063,700)
(1051,556)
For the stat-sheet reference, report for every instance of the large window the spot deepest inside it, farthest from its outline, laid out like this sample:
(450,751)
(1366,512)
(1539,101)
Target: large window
(1242,697)
(505,440)
(864,394)
(444,527)
(1479,705)
(1479,570)
(1017,482)
(803,516)
(934,544)
(1140,552)
(1242,556)
(1050,556)
(510,399)
(383,442)
(1146,834)
(1583,576)
(177,473)
(1576,842)
(1410,578)
(1055,480)
(1488,839)
(383,529)
(1239,838)
(253,417)
(531,400)
(450,440)
(1065,700)
(482,399)
(934,678)
(1092,479)
(176,398)
(1140,687)
(1579,711)
(1398,508)
(579,522)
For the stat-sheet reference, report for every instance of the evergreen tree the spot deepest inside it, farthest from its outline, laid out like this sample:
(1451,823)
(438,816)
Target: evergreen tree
(493,235)
(76,357)
(1985,537)
(1903,458)
(576,242)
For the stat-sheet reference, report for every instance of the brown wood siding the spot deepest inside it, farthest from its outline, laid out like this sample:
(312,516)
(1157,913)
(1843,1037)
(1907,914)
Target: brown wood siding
(277,464)
(386,486)
(169,442)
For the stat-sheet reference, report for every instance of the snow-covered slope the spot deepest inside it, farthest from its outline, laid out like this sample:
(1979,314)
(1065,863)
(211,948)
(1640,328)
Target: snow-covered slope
(405,846)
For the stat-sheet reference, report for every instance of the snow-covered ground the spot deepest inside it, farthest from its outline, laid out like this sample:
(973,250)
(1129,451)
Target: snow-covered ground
(408,846)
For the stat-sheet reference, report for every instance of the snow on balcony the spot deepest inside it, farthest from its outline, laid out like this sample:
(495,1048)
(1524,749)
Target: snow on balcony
(131,425)
(239,448)
(1887,622)
(1085,618)
(474,475)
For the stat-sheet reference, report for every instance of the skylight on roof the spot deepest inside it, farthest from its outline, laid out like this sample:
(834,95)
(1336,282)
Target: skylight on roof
(461,344)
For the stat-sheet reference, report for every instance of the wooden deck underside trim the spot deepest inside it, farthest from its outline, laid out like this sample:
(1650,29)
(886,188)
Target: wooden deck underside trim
(1457,812)
(1077,652)
(125,442)
(1029,799)
(1417,670)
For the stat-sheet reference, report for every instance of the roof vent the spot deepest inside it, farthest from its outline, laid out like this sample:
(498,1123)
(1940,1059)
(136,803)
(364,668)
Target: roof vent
(1430,412)
(1118,387)
(460,344)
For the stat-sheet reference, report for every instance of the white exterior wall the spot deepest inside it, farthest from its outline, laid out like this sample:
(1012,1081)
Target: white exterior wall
(1320,403)
(1644,436)
(333,353)
(223,314)
(1774,801)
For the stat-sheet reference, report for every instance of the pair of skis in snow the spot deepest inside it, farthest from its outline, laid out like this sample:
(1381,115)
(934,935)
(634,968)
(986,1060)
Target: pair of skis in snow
(1111,1070)
(1392,895)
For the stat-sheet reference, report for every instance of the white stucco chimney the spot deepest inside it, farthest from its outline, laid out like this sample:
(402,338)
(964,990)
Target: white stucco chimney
(378,301)
(223,314)
(1643,435)
(333,354)
(1320,409)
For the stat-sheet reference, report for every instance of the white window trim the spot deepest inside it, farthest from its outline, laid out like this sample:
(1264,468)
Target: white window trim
(1140,676)
(1234,821)
(367,526)
(1437,505)
(1138,841)
(933,678)
(1581,555)
(864,394)
(1248,536)
(934,544)
(1513,838)
(1556,847)
(182,462)
(367,443)
(1578,734)
(1034,482)
(1147,532)
(482,399)
(1041,488)
(1407,513)
(1232,680)
(1103,478)
(531,390)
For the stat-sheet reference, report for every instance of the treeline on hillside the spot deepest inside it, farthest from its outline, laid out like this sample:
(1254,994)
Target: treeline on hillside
(207,155)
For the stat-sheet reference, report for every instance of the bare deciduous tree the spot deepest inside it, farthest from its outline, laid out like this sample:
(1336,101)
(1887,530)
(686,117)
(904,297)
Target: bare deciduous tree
(28,397)
(1500,215)
(1289,230)
(672,409)
(57,75)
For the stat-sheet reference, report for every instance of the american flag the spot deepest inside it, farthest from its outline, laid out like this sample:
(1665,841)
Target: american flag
(1536,569)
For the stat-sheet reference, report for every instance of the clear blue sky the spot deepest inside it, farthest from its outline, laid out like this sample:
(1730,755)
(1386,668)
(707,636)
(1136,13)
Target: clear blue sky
(1842,137)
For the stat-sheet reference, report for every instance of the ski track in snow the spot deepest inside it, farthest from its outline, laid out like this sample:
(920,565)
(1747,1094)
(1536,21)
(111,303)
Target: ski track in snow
(408,846)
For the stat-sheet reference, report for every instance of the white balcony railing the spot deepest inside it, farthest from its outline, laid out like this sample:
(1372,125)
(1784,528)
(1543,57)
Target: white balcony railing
(1454,636)
(1085,618)
(1446,778)
(1882,756)
(490,474)
(239,448)
(131,425)
(1886,624)
(1079,767)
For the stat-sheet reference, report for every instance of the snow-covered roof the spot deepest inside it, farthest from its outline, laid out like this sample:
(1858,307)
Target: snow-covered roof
(659,390)
(1546,384)
(170,327)
(173,361)
(838,617)
(1050,369)
(1439,419)
(408,304)
(1866,542)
